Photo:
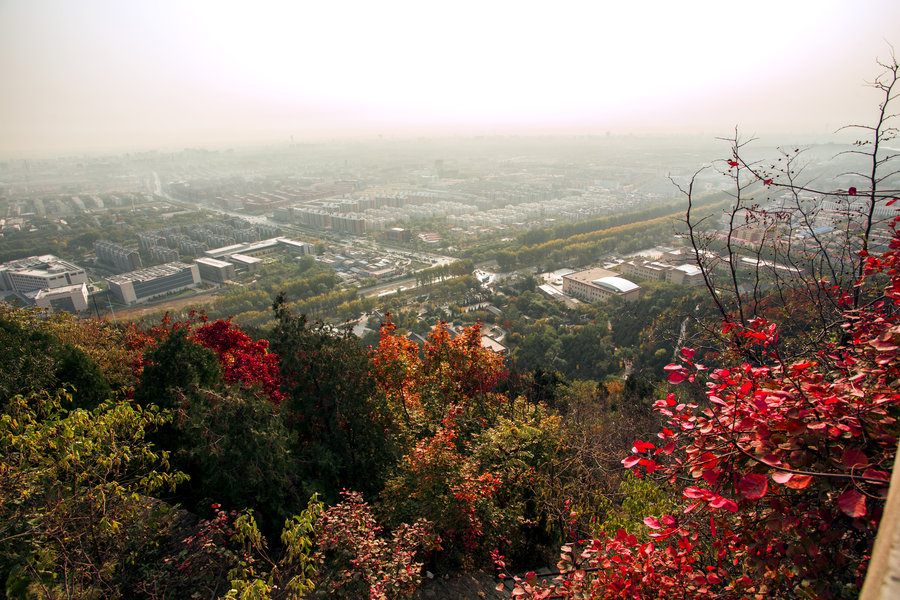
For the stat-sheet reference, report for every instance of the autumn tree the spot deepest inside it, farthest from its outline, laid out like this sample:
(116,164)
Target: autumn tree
(345,436)
(792,249)
(35,359)
(781,449)
(226,431)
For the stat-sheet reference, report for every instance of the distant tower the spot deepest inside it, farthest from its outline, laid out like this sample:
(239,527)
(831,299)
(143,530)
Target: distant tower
(439,167)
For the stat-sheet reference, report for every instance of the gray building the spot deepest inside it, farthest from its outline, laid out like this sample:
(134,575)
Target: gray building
(138,286)
(213,270)
(122,259)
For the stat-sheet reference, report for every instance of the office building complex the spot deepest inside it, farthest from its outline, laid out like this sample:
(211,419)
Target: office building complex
(35,273)
(46,281)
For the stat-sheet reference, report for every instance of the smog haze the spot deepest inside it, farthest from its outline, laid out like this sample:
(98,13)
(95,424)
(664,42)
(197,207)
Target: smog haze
(118,76)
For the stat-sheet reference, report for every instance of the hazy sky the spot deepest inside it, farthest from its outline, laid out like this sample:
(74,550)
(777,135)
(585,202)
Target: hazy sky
(82,75)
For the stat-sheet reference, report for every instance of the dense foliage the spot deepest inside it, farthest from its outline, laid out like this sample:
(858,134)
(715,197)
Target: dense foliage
(191,459)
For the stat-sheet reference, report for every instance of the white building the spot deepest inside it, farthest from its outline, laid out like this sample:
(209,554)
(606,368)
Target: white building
(599,284)
(71,298)
(35,273)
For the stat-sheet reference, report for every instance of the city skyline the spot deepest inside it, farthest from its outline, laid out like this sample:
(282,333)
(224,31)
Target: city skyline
(108,76)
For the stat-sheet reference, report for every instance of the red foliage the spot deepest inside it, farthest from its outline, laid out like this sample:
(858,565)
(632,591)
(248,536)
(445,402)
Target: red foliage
(789,467)
(397,364)
(244,361)
(451,490)
(451,371)
(367,564)
(461,365)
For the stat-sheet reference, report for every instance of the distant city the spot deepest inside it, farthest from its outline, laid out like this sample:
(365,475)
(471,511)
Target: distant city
(372,212)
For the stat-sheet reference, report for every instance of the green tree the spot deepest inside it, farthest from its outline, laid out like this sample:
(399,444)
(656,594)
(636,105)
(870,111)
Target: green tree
(33,359)
(231,441)
(506,260)
(345,437)
(76,512)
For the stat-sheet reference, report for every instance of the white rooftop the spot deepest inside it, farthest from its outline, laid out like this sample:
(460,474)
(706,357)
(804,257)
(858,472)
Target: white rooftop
(616,284)
(689,269)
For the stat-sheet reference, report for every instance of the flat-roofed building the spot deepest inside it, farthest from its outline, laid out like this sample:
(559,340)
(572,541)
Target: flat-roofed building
(242,263)
(216,271)
(685,274)
(490,343)
(300,248)
(151,282)
(398,234)
(599,284)
(224,251)
(645,269)
(45,272)
(679,256)
(71,298)
(550,291)
(261,248)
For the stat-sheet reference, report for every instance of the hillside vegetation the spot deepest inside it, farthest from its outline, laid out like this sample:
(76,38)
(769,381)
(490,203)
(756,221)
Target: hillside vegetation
(749,458)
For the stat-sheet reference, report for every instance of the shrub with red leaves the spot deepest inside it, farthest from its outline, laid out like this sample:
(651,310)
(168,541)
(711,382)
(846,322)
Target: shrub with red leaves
(783,469)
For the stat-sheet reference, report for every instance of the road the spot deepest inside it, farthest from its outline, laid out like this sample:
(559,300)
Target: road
(410,282)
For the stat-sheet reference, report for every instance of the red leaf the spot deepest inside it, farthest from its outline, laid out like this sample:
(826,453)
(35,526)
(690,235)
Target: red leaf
(630,461)
(767,182)
(676,377)
(875,474)
(641,446)
(891,201)
(854,458)
(782,477)
(722,502)
(852,503)
(711,475)
(798,482)
(650,465)
(652,523)
(693,492)
(852,191)
(732,163)
(688,352)
(753,486)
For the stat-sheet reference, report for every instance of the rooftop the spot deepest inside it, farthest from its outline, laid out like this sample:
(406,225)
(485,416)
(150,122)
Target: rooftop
(149,273)
(616,284)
